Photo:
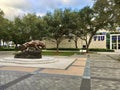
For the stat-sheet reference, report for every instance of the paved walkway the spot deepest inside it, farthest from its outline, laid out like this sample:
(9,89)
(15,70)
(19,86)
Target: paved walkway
(105,72)
(98,72)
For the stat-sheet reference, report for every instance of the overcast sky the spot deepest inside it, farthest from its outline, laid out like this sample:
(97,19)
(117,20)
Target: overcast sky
(13,8)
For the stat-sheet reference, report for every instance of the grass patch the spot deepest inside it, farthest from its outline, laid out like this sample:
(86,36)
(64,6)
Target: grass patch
(51,53)
(100,50)
(2,48)
(8,49)
(66,49)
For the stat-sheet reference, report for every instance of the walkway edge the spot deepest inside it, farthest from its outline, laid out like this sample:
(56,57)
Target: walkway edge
(86,80)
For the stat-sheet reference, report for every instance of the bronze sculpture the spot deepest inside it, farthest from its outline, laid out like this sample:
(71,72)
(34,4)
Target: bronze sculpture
(36,44)
(31,49)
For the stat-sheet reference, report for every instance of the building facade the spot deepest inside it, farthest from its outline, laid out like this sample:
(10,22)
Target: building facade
(102,40)
(98,41)
(115,41)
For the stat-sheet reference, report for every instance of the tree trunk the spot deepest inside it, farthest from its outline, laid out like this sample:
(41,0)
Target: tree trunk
(16,47)
(3,43)
(87,46)
(0,43)
(88,43)
(57,46)
(76,44)
(76,39)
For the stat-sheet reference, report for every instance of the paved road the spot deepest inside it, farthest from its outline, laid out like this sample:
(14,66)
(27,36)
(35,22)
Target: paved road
(104,70)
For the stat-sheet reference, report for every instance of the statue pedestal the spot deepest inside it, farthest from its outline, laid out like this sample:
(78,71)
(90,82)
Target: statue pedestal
(29,54)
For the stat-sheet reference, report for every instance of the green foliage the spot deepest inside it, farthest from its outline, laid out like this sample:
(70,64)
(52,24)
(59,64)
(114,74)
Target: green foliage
(105,14)
(108,40)
(33,25)
(64,49)
(19,34)
(4,28)
(27,28)
(7,49)
(100,50)
(57,25)
(109,11)
(51,53)
(87,27)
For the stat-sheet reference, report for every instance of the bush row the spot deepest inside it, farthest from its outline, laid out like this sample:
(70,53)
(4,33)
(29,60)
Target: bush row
(75,49)
(7,49)
(101,50)
(69,49)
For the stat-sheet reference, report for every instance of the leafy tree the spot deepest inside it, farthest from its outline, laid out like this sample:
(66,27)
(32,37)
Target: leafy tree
(86,26)
(6,31)
(19,36)
(117,9)
(91,21)
(4,28)
(29,27)
(73,27)
(56,28)
(112,10)
(103,15)
(42,31)
(1,20)
(35,26)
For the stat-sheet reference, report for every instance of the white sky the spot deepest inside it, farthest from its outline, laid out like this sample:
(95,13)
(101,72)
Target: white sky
(13,8)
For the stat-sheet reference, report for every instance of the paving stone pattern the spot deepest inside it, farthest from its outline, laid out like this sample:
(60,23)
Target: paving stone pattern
(8,76)
(105,73)
(48,82)
(14,80)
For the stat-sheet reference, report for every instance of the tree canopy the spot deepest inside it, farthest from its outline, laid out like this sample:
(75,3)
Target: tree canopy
(61,24)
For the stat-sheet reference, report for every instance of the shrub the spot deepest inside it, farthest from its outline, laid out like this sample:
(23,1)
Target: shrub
(101,50)
(7,49)
(74,49)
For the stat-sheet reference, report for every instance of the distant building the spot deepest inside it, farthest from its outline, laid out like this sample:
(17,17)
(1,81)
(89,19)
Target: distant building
(103,39)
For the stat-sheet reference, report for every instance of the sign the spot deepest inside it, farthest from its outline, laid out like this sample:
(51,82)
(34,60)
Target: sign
(99,38)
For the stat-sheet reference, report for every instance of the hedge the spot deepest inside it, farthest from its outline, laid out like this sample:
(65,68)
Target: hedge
(74,49)
(101,50)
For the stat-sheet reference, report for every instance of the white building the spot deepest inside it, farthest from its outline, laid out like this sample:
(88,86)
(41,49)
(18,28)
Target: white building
(98,41)
(102,40)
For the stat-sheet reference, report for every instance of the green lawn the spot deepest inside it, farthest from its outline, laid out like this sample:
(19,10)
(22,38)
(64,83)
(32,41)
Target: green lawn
(52,53)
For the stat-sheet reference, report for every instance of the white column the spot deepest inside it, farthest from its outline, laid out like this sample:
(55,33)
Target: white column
(110,41)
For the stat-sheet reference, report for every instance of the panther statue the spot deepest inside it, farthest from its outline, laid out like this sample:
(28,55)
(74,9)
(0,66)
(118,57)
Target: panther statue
(36,44)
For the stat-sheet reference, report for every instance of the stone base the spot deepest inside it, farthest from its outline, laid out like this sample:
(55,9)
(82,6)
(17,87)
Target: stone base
(56,62)
(29,54)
